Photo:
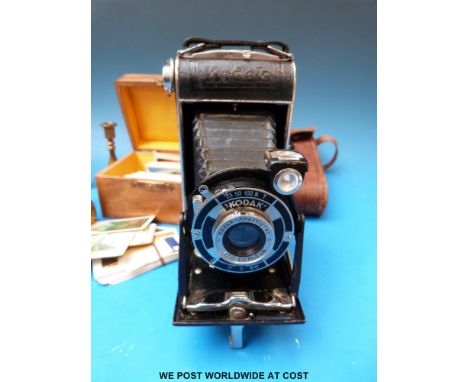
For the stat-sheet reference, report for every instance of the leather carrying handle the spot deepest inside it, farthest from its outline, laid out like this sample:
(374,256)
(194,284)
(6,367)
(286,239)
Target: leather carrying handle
(210,44)
(328,138)
(313,196)
(307,134)
(204,44)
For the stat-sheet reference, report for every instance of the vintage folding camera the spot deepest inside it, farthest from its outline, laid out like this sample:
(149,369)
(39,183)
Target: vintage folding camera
(240,234)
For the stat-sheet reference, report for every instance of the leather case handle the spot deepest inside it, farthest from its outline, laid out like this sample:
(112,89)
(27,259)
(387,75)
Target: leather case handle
(313,196)
(307,134)
(219,43)
(207,44)
(328,138)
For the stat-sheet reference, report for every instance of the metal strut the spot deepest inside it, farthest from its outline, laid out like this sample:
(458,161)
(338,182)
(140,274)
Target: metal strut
(236,339)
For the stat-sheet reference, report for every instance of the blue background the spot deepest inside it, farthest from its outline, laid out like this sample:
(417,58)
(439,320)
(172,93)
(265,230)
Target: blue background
(335,47)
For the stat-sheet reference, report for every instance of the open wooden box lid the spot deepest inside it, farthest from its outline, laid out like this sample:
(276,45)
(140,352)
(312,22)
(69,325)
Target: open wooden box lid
(150,115)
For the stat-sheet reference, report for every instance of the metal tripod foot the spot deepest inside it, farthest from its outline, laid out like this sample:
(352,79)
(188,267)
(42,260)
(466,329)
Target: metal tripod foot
(236,339)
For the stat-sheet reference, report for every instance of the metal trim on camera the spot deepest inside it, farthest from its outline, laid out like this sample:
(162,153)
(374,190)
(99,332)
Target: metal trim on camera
(168,76)
(287,181)
(228,208)
(288,169)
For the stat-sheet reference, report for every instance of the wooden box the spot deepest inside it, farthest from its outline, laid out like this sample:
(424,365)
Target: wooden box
(150,116)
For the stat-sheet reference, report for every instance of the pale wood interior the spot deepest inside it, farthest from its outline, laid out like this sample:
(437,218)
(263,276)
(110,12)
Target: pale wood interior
(132,162)
(150,116)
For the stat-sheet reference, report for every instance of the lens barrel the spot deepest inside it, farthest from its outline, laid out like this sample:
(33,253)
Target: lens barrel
(243,235)
(244,239)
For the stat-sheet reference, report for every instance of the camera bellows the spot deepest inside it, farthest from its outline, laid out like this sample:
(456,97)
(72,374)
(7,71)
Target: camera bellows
(223,141)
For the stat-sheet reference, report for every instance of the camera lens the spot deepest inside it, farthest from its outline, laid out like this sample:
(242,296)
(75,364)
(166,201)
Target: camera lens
(243,235)
(244,239)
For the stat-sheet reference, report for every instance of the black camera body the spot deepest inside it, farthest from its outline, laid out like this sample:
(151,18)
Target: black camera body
(241,237)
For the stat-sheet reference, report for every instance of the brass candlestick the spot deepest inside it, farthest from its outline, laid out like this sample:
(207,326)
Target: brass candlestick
(109,132)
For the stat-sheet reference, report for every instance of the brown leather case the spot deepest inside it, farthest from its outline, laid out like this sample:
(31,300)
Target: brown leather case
(312,197)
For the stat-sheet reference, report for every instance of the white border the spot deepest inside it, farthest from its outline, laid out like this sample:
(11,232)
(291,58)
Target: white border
(422,191)
(45,194)
(422,113)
